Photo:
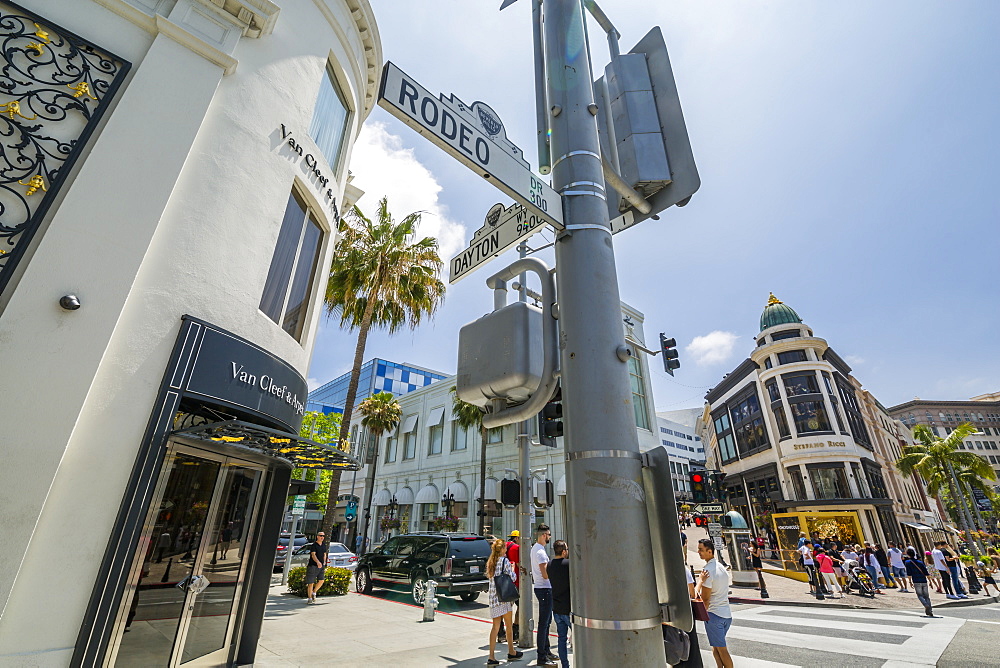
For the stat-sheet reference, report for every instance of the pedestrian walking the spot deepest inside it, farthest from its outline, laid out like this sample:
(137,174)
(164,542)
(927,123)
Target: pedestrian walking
(559,578)
(815,587)
(917,572)
(870,563)
(883,565)
(933,577)
(825,565)
(802,540)
(939,564)
(713,589)
(952,569)
(514,556)
(500,611)
(896,564)
(543,592)
(985,572)
(316,568)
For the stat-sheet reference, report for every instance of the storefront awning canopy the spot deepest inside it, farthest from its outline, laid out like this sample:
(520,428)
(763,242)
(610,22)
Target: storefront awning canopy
(382,498)
(299,452)
(918,526)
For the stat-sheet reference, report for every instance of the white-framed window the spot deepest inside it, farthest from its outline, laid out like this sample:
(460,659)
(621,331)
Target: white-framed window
(638,393)
(435,436)
(293,267)
(410,445)
(390,449)
(459,437)
(495,435)
(330,119)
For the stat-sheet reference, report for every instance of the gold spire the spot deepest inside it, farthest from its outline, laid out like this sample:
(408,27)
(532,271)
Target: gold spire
(772,300)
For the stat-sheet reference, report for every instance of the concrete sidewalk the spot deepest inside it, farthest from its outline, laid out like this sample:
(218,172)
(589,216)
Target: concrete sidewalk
(364,631)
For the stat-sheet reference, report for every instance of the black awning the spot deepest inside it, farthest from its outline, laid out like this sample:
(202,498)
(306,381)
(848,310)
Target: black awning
(299,452)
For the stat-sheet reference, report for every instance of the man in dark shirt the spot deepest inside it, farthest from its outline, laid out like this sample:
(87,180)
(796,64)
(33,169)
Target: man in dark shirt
(559,577)
(316,569)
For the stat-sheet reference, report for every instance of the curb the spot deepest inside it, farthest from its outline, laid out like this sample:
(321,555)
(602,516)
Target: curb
(847,606)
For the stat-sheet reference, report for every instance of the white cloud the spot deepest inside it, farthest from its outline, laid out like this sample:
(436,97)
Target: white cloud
(384,168)
(313,383)
(712,348)
(854,360)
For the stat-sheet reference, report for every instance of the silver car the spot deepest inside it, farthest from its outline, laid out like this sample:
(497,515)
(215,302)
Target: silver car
(338,557)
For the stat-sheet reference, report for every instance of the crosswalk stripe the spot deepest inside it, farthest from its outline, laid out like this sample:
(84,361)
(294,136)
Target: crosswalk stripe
(746,662)
(923,643)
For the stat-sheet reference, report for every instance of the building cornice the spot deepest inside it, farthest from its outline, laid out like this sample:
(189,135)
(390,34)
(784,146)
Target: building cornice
(922,403)
(732,380)
(837,361)
(760,353)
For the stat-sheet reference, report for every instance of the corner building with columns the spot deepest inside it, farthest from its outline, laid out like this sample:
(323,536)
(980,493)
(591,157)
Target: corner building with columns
(787,428)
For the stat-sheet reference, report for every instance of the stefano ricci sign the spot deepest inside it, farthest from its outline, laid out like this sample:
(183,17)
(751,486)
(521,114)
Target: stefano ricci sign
(231,371)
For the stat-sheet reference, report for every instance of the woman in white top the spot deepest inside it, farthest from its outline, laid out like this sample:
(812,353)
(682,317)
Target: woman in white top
(500,610)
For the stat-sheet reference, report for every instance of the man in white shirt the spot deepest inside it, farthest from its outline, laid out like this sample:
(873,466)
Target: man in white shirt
(713,588)
(543,592)
(807,560)
(898,567)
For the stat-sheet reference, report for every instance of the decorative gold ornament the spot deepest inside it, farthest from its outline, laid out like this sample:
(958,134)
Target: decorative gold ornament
(772,300)
(13,108)
(41,34)
(36,46)
(34,183)
(82,88)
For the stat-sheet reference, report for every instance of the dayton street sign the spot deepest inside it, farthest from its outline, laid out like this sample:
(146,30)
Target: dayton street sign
(502,228)
(474,136)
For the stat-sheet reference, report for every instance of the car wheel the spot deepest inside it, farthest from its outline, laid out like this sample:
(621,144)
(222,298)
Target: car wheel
(363,581)
(419,589)
(470,596)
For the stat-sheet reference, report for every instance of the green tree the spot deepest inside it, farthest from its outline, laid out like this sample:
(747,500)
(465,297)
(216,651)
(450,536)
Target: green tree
(380,277)
(470,416)
(381,414)
(939,461)
(322,428)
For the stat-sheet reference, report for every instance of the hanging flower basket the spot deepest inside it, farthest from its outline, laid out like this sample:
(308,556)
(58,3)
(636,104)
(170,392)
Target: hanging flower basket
(387,523)
(445,523)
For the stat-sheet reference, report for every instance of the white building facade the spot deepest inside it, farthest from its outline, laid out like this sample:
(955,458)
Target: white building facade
(180,167)
(429,456)
(686,451)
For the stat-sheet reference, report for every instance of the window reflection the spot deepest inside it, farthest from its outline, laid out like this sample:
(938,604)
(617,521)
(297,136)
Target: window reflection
(809,416)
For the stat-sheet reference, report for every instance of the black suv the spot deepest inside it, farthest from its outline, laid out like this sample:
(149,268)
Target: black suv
(456,561)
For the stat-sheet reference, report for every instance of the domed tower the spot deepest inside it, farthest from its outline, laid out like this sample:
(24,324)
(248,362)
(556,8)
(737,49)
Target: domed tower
(777,313)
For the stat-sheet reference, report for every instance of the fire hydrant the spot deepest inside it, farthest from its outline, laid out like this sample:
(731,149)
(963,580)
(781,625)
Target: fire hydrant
(430,601)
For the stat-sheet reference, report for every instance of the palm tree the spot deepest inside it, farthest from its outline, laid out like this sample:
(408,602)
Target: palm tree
(381,414)
(938,460)
(470,416)
(380,277)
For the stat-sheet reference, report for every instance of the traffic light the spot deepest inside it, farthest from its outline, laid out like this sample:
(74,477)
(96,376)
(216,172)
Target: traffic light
(718,490)
(510,492)
(669,349)
(699,489)
(550,424)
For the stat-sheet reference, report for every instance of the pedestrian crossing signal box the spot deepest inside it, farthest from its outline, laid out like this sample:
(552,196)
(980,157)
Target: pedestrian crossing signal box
(510,492)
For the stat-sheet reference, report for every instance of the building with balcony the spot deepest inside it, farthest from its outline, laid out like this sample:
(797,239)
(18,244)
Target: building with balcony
(788,427)
(174,173)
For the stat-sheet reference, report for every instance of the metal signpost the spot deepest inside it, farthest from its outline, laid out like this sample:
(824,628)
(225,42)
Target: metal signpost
(474,136)
(503,227)
(708,508)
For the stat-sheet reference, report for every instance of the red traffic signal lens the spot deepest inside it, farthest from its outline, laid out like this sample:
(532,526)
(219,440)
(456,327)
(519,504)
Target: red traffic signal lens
(697,477)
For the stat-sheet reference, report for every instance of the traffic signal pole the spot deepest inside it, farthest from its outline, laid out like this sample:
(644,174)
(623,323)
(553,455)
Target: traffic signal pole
(616,614)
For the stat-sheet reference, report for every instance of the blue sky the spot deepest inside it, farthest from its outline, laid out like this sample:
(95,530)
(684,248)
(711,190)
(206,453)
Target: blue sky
(848,156)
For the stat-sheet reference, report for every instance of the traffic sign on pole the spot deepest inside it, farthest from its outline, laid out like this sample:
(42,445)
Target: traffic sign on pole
(503,228)
(474,135)
(299,506)
(706,508)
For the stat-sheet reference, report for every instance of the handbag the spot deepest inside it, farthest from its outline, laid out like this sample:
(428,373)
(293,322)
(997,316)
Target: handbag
(504,585)
(699,609)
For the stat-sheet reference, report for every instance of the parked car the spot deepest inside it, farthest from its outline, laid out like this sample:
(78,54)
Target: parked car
(339,557)
(282,550)
(456,561)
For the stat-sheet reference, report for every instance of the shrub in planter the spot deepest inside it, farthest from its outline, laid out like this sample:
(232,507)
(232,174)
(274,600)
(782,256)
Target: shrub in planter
(336,583)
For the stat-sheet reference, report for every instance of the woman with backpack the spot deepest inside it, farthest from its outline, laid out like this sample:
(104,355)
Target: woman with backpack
(916,570)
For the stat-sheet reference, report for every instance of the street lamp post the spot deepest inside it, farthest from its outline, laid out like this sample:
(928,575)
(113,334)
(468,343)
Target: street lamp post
(393,505)
(447,502)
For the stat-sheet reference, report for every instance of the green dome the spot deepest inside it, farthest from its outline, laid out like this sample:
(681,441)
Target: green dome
(777,313)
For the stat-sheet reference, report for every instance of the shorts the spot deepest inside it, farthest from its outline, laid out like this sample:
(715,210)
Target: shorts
(989,580)
(716,628)
(314,574)
(898,572)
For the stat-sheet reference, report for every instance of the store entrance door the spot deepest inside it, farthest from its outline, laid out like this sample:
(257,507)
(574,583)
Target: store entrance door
(192,562)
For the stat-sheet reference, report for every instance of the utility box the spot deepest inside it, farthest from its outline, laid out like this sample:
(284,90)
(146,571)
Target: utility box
(642,156)
(500,355)
(544,493)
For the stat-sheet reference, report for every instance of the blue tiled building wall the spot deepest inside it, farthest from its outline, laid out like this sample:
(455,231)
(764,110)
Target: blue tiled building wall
(377,375)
